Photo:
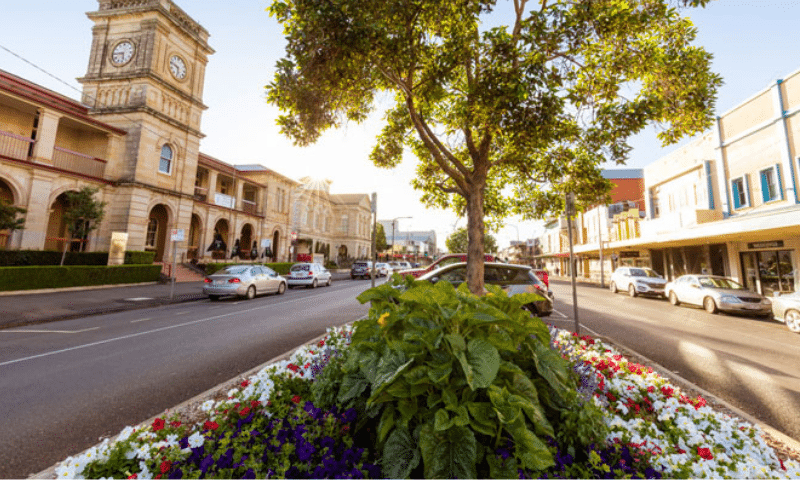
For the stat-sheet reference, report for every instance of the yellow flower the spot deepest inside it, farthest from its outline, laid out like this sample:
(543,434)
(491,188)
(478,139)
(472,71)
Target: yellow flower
(382,320)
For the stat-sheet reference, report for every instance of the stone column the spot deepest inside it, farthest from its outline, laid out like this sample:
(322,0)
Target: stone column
(46,137)
(38,215)
(212,186)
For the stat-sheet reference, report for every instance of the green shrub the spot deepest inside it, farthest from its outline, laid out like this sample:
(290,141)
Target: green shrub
(36,277)
(11,258)
(445,378)
(281,268)
(135,257)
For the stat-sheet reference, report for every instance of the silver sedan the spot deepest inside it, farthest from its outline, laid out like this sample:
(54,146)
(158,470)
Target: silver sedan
(715,293)
(786,309)
(244,281)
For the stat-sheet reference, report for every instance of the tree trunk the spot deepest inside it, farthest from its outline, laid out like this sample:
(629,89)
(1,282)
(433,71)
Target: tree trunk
(475,230)
(66,246)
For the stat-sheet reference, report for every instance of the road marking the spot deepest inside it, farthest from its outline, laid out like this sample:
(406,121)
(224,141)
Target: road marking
(50,331)
(183,312)
(141,320)
(560,313)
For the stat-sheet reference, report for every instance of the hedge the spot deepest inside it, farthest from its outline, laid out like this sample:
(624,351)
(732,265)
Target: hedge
(36,277)
(19,258)
(281,268)
(134,257)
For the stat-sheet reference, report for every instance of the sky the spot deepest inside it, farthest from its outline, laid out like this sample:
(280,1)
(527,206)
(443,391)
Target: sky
(754,43)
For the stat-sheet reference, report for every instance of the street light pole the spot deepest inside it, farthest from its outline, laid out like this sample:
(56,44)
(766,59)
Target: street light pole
(570,212)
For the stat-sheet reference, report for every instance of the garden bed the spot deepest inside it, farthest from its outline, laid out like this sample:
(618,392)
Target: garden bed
(320,414)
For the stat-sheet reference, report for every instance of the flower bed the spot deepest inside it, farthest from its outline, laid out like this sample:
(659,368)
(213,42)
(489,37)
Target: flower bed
(282,423)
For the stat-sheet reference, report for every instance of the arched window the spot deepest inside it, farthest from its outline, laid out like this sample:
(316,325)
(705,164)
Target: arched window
(165,163)
(152,230)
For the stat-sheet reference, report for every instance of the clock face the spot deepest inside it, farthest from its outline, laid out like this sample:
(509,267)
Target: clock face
(178,67)
(122,53)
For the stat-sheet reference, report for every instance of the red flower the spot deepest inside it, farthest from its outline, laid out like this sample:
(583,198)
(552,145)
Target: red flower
(704,453)
(254,403)
(245,383)
(158,424)
(321,343)
(783,467)
(701,402)
(611,397)
(651,389)
(133,476)
(244,411)
(157,476)
(667,391)
(293,367)
(175,424)
(209,425)
(296,399)
(165,466)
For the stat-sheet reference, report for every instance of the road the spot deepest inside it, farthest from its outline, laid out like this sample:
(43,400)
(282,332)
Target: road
(751,363)
(65,384)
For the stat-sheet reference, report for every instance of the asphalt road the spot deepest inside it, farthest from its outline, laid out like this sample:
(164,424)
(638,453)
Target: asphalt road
(65,384)
(751,363)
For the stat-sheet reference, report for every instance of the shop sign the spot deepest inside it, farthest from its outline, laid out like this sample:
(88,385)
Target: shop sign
(772,244)
(629,254)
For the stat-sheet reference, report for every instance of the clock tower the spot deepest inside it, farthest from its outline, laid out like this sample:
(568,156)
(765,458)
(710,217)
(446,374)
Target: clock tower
(145,75)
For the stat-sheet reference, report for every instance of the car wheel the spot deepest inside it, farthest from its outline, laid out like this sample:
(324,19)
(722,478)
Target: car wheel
(314,283)
(352,277)
(710,305)
(673,299)
(281,288)
(251,292)
(792,318)
(329,282)
(613,287)
(632,290)
(213,298)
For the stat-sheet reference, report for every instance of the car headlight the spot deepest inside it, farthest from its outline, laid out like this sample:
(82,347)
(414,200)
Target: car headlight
(766,301)
(729,299)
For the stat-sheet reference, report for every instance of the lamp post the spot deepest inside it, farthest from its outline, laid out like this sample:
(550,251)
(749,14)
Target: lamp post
(570,213)
(395,219)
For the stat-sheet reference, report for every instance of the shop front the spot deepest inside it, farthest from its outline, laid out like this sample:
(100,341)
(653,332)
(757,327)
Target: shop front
(769,267)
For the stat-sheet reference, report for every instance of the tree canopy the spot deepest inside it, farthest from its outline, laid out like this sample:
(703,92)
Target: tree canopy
(82,215)
(503,118)
(458,241)
(380,238)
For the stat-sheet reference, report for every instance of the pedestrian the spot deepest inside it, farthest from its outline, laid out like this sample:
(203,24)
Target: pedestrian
(236,250)
(556,270)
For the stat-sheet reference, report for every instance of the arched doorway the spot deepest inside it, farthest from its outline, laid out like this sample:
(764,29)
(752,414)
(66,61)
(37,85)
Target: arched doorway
(219,244)
(245,241)
(57,232)
(156,234)
(193,250)
(275,239)
(342,257)
(6,197)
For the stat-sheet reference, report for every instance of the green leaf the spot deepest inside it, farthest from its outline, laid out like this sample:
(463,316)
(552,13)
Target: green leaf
(499,468)
(400,454)
(442,420)
(352,386)
(439,373)
(386,423)
(480,364)
(456,342)
(448,454)
(529,448)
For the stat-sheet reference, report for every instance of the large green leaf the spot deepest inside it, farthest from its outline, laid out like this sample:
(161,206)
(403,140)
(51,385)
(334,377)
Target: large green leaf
(352,386)
(448,454)
(499,468)
(529,448)
(400,454)
(480,363)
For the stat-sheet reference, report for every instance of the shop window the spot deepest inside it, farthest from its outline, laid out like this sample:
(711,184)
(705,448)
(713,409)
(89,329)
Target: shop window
(771,184)
(165,162)
(740,190)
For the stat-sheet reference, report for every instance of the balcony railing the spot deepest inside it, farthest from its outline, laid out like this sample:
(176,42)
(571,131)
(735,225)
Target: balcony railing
(14,146)
(78,162)
(249,207)
(200,193)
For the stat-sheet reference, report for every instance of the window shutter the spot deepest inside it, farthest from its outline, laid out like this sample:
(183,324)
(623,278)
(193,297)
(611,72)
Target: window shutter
(736,195)
(709,186)
(778,176)
(747,196)
(764,186)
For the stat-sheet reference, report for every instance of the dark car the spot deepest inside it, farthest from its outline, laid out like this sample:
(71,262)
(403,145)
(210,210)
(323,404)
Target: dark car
(361,270)
(511,278)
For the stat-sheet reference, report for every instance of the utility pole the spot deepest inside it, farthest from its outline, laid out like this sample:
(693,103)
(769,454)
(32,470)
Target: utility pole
(570,212)
(374,234)
(600,236)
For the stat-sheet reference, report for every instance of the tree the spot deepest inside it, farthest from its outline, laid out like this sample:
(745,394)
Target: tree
(502,119)
(380,239)
(82,215)
(458,241)
(8,217)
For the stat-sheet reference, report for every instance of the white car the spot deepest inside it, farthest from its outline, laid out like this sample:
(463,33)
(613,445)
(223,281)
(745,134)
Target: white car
(308,275)
(383,269)
(636,281)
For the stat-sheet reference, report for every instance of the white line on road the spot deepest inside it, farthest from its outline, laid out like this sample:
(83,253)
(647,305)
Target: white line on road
(141,320)
(132,335)
(556,311)
(49,331)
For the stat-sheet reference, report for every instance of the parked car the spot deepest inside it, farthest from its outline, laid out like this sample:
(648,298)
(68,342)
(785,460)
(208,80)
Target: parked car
(361,269)
(512,278)
(441,262)
(715,293)
(308,275)
(637,280)
(383,269)
(786,309)
(244,281)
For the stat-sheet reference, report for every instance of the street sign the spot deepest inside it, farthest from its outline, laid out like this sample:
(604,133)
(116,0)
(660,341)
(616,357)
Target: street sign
(177,235)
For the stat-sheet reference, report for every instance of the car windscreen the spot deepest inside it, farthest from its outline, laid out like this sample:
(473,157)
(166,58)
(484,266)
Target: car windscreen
(644,272)
(233,270)
(300,268)
(720,283)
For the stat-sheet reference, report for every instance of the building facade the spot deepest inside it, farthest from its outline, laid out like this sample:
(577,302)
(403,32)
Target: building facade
(727,203)
(135,136)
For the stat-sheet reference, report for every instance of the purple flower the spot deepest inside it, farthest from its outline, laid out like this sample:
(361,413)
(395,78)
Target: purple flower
(206,463)
(249,473)
(304,451)
(226,460)
(176,473)
(350,415)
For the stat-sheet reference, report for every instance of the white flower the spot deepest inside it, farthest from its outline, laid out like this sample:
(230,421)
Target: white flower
(125,434)
(66,470)
(171,440)
(143,452)
(196,440)
(145,473)
(233,392)
(207,406)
